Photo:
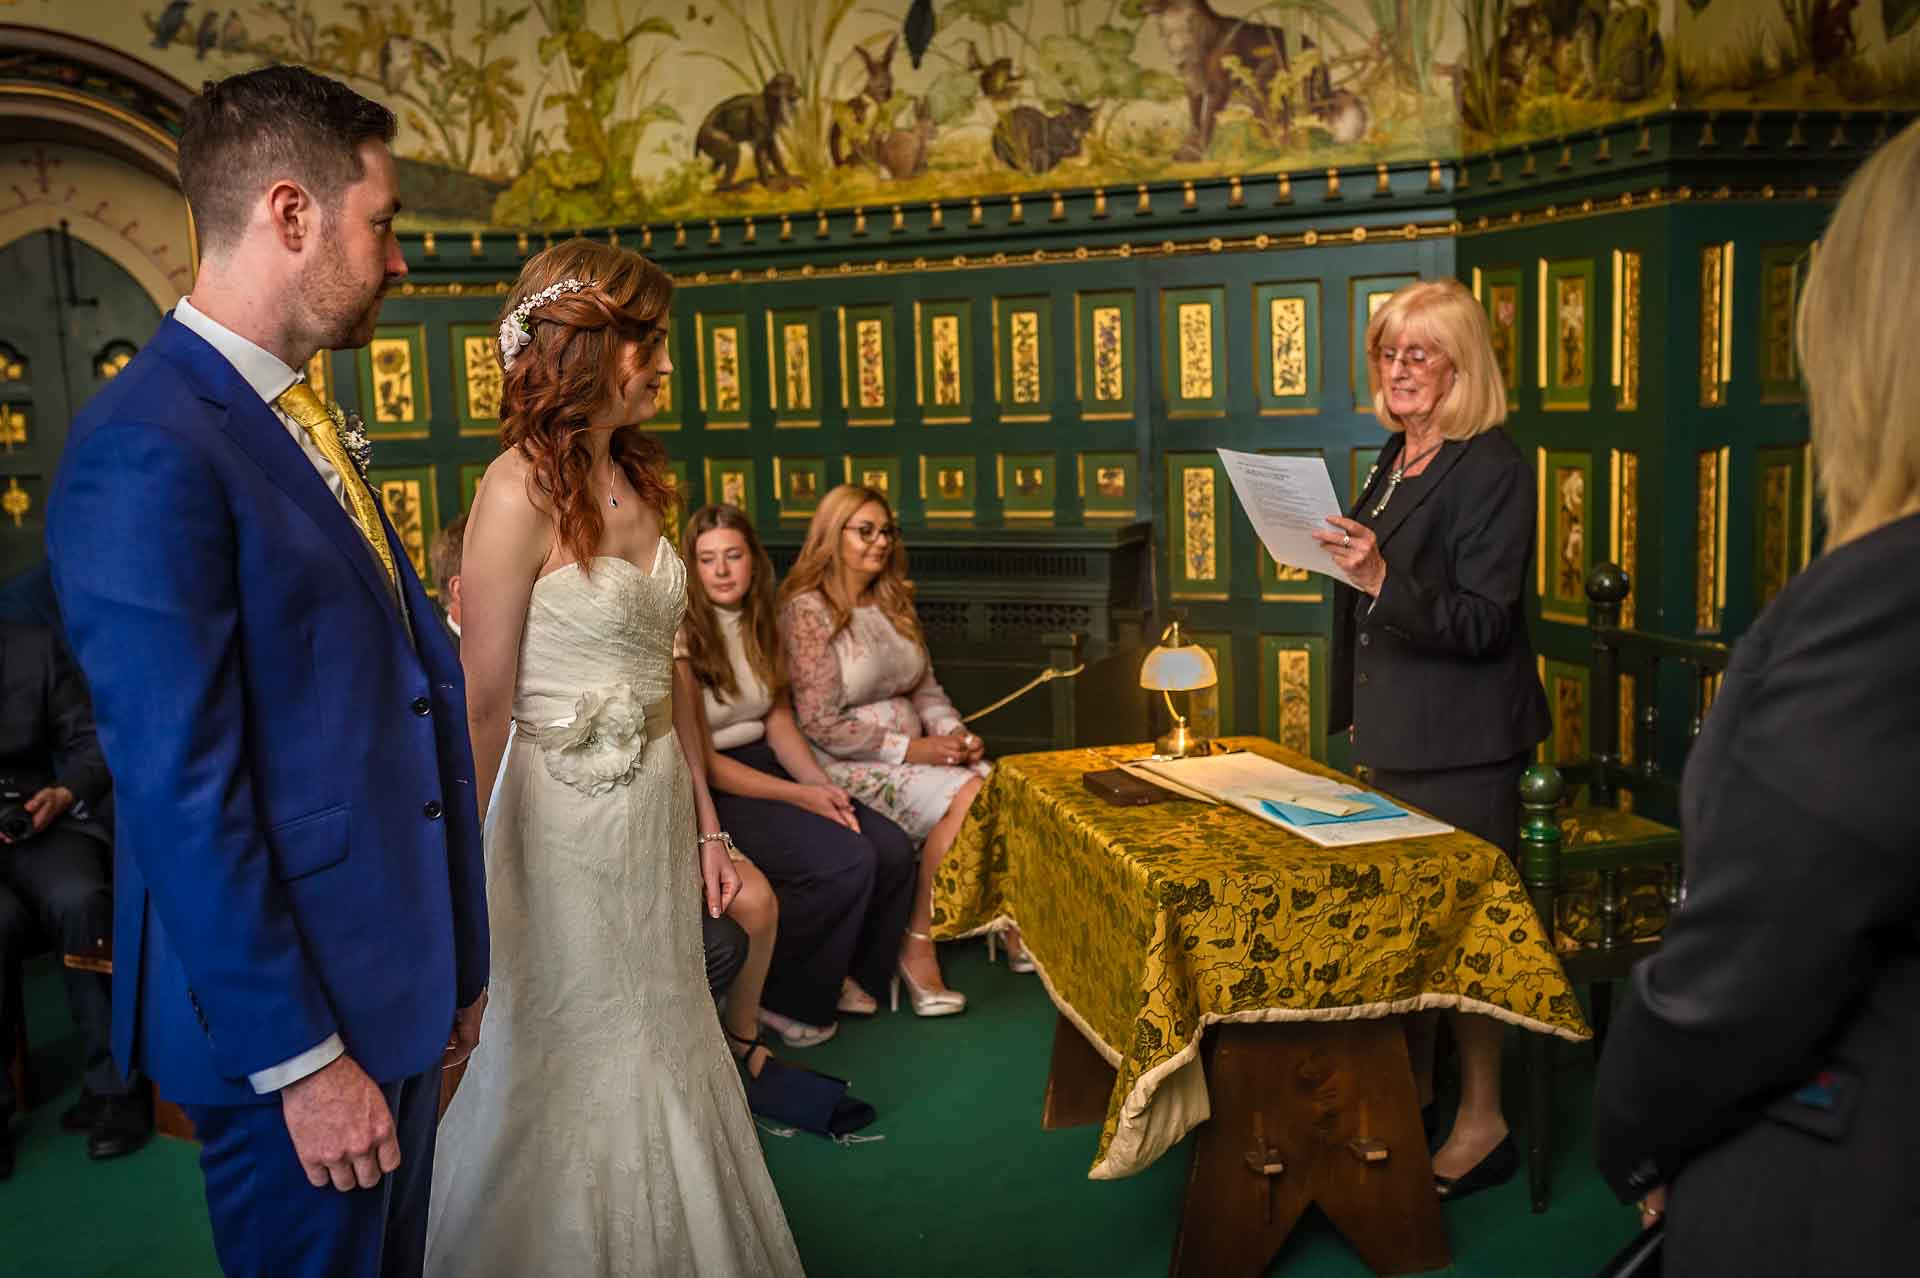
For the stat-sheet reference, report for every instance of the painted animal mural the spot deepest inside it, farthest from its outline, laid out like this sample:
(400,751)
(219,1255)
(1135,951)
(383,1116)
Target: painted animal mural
(752,120)
(564,113)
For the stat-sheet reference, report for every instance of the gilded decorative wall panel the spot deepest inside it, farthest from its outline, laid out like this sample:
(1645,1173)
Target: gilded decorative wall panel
(1783,518)
(1501,291)
(319,373)
(1026,483)
(1292,707)
(724,370)
(1626,329)
(793,367)
(729,481)
(943,361)
(1022,357)
(1782,273)
(880,473)
(474,350)
(1716,321)
(1210,711)
(1109,484)
(798,484)
(1103,345)
(1625,533)
(1193,354)
(1564,550)
(1566,334)
(393,380)
(14,431)
(1286,347)
(1566,686)
(1710,540)
(866,364)
(409,495)
(1198,502)
(947,486)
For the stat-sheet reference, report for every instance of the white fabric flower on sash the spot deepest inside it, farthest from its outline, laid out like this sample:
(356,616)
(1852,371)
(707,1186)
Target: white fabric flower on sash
(601,747)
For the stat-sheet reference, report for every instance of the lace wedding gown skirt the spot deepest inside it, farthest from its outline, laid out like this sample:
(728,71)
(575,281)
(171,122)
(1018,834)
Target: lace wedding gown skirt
(601,1128)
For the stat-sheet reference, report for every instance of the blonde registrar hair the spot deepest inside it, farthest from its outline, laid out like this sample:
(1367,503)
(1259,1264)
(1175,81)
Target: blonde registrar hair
(1863,383)
(1442,314)
(818,565)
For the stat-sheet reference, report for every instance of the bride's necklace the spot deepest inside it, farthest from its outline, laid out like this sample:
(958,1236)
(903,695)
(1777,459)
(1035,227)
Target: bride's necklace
(1399,473)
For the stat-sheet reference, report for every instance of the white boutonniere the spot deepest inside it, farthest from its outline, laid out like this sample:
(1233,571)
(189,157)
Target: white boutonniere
(353,437)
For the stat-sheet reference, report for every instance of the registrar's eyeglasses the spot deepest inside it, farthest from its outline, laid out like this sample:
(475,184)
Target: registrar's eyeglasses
(1418,358)
(868,532)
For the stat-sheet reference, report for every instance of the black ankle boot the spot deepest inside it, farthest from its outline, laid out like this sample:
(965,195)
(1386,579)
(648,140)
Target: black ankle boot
(121,1125)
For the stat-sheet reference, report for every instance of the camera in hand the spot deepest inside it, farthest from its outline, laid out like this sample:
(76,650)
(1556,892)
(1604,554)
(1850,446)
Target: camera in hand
(16,823)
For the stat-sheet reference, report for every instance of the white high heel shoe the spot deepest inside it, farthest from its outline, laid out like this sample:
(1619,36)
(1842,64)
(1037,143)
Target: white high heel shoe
(925,1002)
(1017,960)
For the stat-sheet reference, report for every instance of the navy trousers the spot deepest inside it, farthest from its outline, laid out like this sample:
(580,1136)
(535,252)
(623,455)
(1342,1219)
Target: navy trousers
(270,1222)
(844,897)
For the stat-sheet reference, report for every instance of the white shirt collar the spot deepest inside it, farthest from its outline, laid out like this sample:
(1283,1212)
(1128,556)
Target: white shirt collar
(258,367)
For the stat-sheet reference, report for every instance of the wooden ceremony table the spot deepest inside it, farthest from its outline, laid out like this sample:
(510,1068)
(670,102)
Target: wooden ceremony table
(1150,924)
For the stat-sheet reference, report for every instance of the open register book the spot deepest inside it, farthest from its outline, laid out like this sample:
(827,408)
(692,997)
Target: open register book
(1322,809)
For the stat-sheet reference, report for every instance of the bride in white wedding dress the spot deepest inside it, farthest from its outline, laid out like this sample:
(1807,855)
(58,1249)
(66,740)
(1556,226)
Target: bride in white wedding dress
(601,1128)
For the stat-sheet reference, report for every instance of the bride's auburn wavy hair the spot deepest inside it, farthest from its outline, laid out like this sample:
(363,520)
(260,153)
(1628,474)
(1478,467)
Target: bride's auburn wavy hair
(759,637)
(818,566)
(565,374)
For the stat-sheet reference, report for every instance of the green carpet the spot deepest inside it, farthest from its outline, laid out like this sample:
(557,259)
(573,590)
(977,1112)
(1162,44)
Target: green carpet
(964,1183)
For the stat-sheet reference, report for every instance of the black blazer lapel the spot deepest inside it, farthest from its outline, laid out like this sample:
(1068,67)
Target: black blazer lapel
(1405,503)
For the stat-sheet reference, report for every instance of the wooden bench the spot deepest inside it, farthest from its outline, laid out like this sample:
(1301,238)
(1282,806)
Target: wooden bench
(1603,873)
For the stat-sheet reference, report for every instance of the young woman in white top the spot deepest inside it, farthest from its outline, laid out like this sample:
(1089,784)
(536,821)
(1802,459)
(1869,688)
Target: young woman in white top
(842,873)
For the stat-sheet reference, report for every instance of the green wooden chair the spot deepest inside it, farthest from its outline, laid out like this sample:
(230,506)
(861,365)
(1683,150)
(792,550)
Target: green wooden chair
(1603,873)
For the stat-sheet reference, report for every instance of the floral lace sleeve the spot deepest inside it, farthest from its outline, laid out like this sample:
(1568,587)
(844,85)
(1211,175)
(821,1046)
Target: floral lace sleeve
(819,695)
(930,701)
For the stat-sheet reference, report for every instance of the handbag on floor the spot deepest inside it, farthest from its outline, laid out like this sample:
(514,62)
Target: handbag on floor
(801,1097)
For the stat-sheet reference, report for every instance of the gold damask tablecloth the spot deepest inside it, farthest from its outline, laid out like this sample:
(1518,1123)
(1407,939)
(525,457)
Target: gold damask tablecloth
(1150,923)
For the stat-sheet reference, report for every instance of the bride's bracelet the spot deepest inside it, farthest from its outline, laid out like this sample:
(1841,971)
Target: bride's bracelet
(722,838)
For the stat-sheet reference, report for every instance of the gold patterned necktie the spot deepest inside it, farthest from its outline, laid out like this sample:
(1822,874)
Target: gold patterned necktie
(300,403)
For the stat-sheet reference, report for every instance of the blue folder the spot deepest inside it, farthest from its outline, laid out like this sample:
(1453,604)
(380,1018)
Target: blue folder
(1378,809)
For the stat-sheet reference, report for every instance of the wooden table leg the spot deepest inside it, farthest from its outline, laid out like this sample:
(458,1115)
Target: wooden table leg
(1079,1081)
(1310,1113)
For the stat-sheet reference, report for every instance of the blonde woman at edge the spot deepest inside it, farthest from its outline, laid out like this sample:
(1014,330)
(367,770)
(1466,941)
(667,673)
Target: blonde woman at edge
(865,695)
(602,1129)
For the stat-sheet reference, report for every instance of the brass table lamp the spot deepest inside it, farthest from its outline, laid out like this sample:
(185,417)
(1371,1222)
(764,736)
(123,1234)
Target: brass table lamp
(1177,665)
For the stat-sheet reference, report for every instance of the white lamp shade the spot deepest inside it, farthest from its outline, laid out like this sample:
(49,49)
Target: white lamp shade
(1178,669)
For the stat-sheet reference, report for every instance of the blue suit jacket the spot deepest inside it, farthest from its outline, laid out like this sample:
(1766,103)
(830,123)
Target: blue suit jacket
(297,849)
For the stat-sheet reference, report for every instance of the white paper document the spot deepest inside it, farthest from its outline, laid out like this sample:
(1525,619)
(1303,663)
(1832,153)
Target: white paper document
(1288,499)
(1242,779)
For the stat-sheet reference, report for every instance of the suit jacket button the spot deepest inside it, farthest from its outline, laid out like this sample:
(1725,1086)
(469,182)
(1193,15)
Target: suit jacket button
(421,706)
(432,810)
(1365,638)
(1361,678)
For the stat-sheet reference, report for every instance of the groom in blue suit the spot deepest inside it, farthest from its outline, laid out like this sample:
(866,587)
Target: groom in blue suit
(300,938)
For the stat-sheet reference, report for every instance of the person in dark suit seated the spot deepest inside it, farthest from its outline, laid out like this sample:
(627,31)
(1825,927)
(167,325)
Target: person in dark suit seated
(1762,1066)
(56,877)
(443,559)
(1433,674)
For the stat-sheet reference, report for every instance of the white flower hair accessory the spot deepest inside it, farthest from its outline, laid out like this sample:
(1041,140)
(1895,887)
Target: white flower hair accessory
(516,331)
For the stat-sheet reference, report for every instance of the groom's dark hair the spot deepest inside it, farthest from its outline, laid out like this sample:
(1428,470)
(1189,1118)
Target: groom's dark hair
(248,130)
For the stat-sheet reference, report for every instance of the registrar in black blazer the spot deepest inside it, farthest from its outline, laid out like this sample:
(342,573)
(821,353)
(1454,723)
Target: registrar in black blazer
(1440,673)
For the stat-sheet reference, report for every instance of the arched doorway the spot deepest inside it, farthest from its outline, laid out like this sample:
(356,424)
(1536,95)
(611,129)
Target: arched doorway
(95,239)
(75,319)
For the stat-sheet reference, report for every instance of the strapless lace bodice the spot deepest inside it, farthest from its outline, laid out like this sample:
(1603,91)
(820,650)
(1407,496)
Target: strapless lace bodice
(596,664)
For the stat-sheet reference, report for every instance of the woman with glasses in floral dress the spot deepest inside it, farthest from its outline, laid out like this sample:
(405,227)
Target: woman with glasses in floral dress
(865,696)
